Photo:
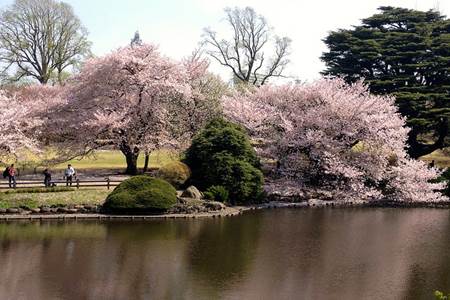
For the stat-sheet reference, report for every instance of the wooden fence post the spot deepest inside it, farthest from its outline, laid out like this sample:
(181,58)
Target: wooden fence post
(78,183)
(107,182)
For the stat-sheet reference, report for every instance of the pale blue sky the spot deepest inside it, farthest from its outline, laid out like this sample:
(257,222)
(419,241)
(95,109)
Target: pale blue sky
(176,25)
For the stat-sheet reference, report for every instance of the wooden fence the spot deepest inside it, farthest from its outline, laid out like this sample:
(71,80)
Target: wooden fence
(106,182)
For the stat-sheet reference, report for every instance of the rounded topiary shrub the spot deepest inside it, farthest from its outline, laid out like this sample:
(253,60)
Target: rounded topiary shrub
(220,136)
(221,155)
(141,194)
(176,173)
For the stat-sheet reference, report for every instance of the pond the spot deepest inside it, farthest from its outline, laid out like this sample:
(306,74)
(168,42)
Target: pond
(273,254)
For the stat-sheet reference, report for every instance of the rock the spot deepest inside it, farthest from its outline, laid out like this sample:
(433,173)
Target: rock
(190,210)
(202,209)
(91,208)
(2,210)
(25,212)
(177,208)
(62,210)
(12,210)
(35,210)
(45,209)
(181,200)
(192,192)
(316,202)
(72,210)
(79,206)
(214,205)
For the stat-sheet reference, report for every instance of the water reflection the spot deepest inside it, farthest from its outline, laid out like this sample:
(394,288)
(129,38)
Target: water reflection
(282,254)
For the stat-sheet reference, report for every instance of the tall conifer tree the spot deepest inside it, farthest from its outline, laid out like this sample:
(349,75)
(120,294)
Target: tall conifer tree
(405,53)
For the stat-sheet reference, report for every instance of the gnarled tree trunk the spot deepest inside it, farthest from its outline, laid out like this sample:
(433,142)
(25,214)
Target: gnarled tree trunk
(131,156)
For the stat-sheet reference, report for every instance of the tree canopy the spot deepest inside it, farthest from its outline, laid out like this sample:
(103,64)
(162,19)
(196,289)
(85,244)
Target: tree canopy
(405,53)
(337,137)
(133,99)
(41,39)
(246,53)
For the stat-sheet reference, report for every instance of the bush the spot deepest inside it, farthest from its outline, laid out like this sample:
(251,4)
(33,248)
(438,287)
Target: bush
(220,136)
(441,296)
(176,173)
(221,155)
(141,194)
(217,193)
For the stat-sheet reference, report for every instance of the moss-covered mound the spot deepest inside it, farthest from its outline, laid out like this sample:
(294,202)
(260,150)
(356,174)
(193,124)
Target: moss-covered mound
(176,173)
(141,194)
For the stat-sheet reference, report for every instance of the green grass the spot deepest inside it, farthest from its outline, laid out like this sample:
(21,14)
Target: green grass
(112,159)
(440,157)
(100,160)
(34,200)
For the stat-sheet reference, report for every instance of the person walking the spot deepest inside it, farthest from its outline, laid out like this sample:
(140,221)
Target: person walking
(47,178)
(12,176)
(69,173)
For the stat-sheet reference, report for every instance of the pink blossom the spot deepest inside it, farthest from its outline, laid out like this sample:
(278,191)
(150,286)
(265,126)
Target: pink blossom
(337,136)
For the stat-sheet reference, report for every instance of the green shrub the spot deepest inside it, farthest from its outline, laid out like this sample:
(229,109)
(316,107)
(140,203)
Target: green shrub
(141,194)
(176,173)
(220,136)
(217,193)
(221,155)
(441,296)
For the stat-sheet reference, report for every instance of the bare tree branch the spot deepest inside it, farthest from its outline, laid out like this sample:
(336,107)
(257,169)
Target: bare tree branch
(41,37)
(244,52)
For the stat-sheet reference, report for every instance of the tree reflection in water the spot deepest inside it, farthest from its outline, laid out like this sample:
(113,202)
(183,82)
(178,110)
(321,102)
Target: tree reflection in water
(305,253)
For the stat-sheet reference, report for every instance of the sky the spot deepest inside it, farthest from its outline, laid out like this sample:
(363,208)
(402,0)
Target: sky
(177,25)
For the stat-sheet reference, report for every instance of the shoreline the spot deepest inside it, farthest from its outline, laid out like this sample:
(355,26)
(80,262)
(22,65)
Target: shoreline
(229,211)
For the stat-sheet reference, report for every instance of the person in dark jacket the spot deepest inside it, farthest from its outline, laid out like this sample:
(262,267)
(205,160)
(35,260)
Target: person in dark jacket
(47,178)
(12,176)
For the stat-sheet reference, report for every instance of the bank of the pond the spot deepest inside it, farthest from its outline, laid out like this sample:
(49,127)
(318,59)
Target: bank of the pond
(94,212)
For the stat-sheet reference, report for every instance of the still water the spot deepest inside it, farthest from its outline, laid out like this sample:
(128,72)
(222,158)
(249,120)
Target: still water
(276,254)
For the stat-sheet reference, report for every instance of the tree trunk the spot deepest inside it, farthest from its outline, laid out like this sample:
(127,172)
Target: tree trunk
(417,149)
(43,80)
(131,163)
(131,156)
(146,161)
(59,76)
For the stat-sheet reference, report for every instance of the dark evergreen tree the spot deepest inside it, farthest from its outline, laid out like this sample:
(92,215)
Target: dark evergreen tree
(405,53)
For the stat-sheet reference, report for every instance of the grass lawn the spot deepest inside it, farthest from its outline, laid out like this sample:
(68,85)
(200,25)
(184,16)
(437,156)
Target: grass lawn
(100,160)
(34,200)
(113,159)
(440,158)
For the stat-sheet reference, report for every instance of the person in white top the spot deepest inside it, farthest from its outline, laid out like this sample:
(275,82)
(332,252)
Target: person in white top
(69,174)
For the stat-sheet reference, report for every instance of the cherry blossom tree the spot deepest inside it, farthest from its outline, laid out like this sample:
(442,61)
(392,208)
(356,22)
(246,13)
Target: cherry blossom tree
(337,137)
(14,124)
(23,111)
(133,99)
